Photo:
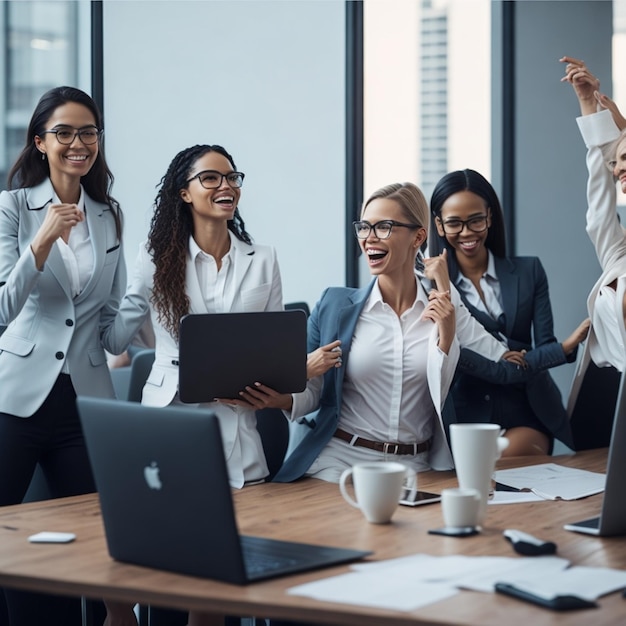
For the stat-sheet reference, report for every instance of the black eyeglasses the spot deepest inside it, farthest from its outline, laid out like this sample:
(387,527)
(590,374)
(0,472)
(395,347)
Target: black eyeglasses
(381,229)
(210,179)
(454,226)
(66,134)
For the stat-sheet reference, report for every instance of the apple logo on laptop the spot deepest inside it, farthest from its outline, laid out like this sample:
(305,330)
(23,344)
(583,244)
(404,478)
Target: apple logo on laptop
(151,474)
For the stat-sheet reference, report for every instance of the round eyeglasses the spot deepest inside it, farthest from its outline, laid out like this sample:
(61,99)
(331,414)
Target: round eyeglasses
(210,179)
(66,135)
(454,226)
(381,229)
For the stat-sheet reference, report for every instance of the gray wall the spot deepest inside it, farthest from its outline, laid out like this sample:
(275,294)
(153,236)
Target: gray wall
(263,78)
(550,173)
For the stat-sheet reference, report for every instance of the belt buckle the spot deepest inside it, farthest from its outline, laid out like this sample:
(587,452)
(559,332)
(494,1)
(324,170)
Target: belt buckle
(387,448)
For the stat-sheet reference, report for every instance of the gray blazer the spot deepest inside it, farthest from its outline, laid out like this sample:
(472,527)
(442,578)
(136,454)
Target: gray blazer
(45,325)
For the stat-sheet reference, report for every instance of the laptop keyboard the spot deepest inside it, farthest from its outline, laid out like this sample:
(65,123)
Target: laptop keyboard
(257,558)
(592,522)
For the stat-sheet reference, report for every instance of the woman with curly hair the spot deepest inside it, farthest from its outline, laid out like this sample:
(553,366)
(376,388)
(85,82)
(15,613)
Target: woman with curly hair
(198,258)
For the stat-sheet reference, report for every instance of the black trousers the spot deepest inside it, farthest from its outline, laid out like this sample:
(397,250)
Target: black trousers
(52,437)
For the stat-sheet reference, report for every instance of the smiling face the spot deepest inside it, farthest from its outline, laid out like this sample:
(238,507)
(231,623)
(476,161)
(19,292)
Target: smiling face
(396,254)
(73,160)
(465,205)
(211,204)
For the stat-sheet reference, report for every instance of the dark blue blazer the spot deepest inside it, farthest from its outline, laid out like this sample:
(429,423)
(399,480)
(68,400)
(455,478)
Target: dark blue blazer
(477,391)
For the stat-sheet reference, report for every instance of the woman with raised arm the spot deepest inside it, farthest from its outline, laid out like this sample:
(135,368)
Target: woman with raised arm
(602,127)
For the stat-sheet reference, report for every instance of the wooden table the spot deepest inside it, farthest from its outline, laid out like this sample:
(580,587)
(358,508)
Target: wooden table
(313,511)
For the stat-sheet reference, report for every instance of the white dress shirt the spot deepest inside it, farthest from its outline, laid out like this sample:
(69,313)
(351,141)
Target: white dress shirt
(385,390)
(608,320)
(216,285)
(490,286)
(246,461)
(385,395)
(607,337)
(77,255)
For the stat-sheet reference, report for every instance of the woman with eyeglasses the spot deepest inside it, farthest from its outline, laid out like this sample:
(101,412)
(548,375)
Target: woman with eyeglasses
(62,275)
(198,258)
(400,344)
(509,297)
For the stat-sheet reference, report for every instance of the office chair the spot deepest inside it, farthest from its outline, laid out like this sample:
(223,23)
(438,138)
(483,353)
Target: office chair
(273,427)
(592,416)
(298,306)
(140,368)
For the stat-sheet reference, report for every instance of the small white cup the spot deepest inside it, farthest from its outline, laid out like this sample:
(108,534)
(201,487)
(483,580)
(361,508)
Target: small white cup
(377,488)
(460,507)
(476,448)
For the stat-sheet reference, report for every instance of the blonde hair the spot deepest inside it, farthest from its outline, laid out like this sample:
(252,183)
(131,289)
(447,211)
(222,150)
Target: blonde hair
(410,199)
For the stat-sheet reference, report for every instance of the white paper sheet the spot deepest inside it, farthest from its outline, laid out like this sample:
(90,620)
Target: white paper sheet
(407,583)
(552,481)
(514,497)
(589,583)
(375,590)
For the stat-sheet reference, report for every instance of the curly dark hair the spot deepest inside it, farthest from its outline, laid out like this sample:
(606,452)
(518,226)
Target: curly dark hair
(168,239)
(29,170)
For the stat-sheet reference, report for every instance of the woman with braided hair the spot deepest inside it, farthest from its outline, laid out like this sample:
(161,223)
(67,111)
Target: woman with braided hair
(198,258)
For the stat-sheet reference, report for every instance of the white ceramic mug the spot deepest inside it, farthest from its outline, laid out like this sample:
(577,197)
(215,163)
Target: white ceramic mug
(377,488)
(475,448)
(460,507)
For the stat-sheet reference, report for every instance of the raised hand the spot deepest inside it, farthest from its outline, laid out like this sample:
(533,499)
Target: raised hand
(585,84)
(440,310)
(606,103)
(436,269)
(58,222)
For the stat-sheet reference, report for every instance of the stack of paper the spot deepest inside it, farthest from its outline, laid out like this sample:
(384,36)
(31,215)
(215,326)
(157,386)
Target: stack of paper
(552,481)
(407,583)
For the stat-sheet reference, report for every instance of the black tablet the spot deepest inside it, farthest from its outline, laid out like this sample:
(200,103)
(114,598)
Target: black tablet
(222,353)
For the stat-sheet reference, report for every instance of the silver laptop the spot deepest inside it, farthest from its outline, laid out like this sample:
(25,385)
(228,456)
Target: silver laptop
(612,518)
(166,501)
(222,353)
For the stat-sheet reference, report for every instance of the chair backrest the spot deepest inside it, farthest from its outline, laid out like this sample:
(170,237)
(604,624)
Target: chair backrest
(140,368)
(299,306)
(273,427)
(592,417)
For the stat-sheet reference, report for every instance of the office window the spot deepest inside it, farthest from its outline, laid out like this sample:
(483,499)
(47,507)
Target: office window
(45,44)
(425,113)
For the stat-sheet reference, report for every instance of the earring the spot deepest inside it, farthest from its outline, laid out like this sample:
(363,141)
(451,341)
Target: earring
(43,156)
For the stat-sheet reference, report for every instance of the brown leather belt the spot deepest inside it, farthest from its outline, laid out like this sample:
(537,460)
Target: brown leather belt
(387,448)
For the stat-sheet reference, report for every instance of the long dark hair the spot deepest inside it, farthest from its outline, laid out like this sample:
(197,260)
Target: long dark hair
(29,170)
(168,239)
(467,180)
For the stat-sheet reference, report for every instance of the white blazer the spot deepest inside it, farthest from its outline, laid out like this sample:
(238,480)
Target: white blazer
(257,274)
(604,229)
(45,324)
